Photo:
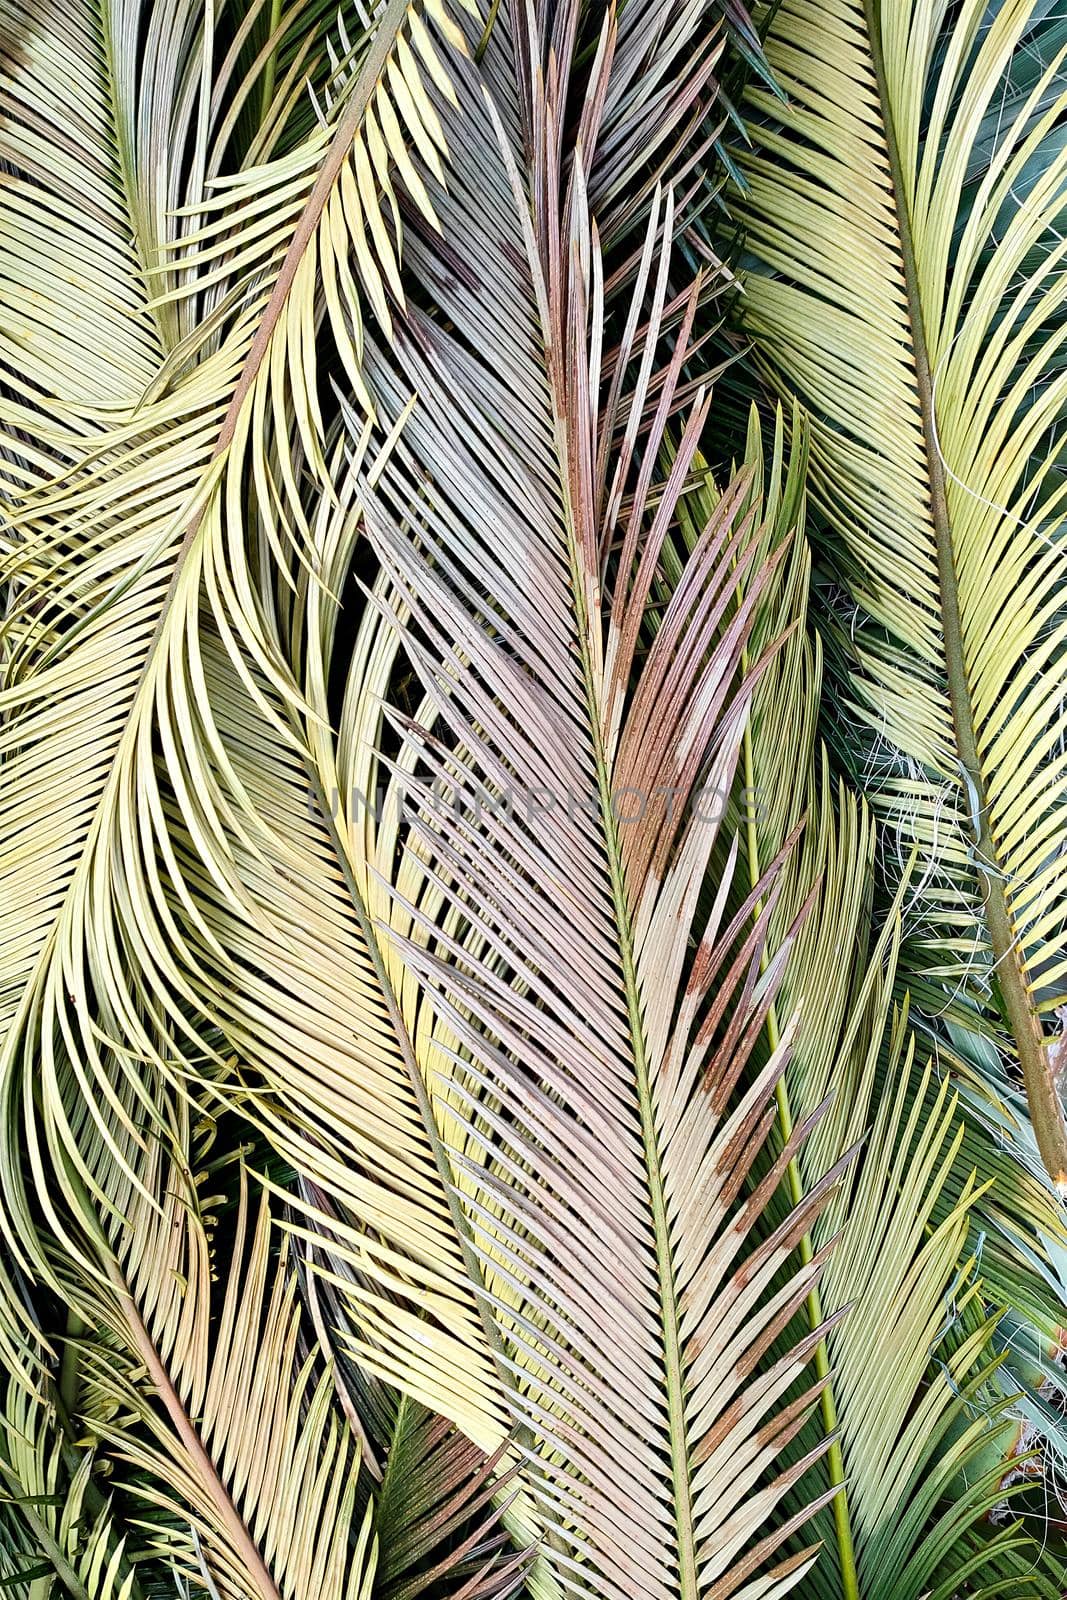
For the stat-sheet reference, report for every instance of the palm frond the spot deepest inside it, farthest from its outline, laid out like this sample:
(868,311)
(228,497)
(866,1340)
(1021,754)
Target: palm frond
(413,790)
(903,219)
(52,1528)
(591,1055)
(910,1206)
(106,553)
(231,1432)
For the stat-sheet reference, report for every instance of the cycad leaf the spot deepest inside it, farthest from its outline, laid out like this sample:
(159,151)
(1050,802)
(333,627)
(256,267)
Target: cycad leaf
(645,1352)
(909,1206)
(106,556)
(903,216)
(51,1525)
(244,1441)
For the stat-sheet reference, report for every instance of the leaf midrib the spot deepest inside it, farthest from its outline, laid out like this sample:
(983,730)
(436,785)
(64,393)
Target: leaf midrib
(679,1436)
(241,1538)
(685,1532)
(305,227)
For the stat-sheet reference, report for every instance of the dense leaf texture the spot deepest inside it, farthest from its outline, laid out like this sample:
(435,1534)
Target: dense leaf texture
(903,1248)
(461,1134)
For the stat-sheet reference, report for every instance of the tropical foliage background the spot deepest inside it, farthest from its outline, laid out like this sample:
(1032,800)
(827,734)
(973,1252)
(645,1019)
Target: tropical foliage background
(533,780)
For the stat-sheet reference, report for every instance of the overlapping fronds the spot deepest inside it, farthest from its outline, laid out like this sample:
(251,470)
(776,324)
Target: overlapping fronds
(116,503)
(95,900)
(413,795)
(520,760)
(266,1476)
(52,1524)
(905,1213)
(106,555)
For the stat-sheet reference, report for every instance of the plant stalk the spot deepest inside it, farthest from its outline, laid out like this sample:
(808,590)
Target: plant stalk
(835,1461)
(45,1544)
(242,1541)
(271,68)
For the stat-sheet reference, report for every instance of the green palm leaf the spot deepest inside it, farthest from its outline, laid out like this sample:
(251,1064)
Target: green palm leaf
(95,888)
(903,217)
(910,1206)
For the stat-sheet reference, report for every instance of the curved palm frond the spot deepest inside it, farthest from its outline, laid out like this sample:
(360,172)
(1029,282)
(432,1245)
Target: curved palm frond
(106,552)
(903,218)
(104,877)
(650,1344)
(412,775)
(911,1204)
(229,1431)
(111,516)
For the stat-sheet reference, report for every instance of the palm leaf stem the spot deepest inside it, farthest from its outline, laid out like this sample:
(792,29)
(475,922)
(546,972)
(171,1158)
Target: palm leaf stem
(46,1545)
(1046,1111)
(391,1469)
(243,1543)
(487,31)
(304,232)
(204,1466)
(68,1367)
(270,70)
(342,142)
(813,1303)
(688,1586)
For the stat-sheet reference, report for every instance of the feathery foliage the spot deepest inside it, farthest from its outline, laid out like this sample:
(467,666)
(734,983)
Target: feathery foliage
(531,956)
